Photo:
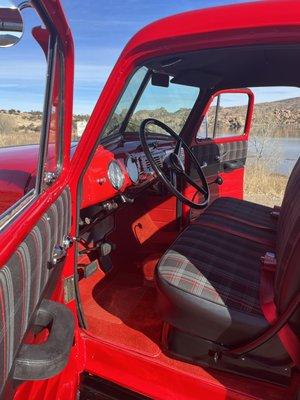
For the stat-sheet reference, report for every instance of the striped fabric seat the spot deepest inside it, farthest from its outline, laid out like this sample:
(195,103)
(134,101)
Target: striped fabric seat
(209,280)
(249,213)
(215,268)
(237,228)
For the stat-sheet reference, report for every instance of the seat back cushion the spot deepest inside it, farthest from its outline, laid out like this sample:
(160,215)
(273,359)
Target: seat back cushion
(287,280)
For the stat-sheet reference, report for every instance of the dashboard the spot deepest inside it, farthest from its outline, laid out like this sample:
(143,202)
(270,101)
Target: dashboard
(120,167)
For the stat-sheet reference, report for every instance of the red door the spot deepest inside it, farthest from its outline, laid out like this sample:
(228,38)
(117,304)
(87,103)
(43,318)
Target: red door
(37,324)
(221,142)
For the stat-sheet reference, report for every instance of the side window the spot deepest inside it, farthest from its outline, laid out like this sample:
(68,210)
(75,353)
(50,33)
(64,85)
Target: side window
(24,86)
(54,148)
(226,116)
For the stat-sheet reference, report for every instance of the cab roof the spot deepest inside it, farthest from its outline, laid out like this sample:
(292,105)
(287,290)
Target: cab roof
(261,42)
(259,14)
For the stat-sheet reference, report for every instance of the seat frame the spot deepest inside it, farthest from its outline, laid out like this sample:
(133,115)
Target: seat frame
(181,345)
(239,359)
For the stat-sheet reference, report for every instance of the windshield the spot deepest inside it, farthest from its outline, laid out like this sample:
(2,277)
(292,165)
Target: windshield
(141,99)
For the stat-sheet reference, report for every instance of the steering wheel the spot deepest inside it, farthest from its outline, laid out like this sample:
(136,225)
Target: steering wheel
(173,167)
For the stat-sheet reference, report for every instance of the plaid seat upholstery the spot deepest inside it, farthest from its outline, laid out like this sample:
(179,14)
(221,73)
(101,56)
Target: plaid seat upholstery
(223,223)
(246,211)
(215,267)
(209,279)
(215,263)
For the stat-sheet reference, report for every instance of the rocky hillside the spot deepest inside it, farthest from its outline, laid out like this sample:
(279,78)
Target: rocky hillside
(283,113)
(278,114)
(18,127)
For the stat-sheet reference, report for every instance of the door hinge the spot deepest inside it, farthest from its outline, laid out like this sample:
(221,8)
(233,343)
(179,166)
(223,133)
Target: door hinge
(50,177)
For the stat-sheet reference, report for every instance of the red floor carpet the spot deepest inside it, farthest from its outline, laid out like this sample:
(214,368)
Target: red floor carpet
(121,310)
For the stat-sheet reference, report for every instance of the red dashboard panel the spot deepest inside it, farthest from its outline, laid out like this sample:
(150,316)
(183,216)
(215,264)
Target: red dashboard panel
(97,186)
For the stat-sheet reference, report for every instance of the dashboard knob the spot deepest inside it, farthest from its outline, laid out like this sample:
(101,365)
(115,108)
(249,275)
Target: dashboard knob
(101,181)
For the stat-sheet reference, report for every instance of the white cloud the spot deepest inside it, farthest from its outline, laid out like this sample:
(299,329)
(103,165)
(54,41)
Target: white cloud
(27,70)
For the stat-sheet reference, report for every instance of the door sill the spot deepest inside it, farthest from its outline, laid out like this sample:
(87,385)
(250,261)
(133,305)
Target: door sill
(95,388)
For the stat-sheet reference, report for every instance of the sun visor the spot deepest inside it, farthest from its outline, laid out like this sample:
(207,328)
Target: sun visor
(198,78)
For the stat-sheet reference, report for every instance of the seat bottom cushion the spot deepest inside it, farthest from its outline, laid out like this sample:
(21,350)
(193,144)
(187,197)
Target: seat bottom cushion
(209,285)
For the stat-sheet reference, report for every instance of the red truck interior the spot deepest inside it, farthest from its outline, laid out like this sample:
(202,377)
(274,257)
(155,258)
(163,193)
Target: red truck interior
(195,289)
(137,262)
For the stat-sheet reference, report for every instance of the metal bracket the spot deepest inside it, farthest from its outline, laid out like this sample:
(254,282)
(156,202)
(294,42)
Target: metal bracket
(50,177)
(59,251)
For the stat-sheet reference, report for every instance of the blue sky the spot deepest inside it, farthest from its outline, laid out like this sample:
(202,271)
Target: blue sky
(101,29)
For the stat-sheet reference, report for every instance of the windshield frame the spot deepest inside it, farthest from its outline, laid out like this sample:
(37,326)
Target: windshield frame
(120,129)
(104,137)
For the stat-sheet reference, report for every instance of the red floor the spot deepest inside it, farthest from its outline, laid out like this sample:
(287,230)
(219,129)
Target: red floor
(116,311)
(120,310)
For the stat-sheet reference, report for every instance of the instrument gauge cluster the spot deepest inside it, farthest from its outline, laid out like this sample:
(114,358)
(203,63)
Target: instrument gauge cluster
(115,175)
(132,168)
(123,169)
(137,167)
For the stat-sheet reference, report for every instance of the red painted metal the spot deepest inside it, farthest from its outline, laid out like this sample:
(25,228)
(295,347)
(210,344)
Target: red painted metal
(233,181)
(259,23)
(15,232)
(13,235)
(160,377)
(245,135)
(17,170)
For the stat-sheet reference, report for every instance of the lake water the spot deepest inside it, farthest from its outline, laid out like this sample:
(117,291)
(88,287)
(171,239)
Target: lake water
(284,151)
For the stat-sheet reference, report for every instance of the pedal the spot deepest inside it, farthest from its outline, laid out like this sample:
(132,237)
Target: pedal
(90,269)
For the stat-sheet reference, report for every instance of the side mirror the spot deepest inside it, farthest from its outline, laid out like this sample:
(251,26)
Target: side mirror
(11,25)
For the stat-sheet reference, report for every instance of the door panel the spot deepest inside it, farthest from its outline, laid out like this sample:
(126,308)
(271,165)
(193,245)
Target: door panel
(221,143)
(226,160)
(26,276)
(223,161)
(219,156)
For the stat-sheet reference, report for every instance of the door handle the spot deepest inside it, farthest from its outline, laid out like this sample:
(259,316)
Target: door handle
(230,165)
(42,361)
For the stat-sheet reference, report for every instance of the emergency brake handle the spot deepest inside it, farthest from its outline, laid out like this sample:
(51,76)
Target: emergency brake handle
(42,361)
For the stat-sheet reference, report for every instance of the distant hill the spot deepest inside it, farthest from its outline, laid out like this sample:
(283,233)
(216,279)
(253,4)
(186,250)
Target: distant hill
(24,127)
(283,114)
(7,39)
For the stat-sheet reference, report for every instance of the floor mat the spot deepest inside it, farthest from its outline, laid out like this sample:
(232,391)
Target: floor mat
(121,310)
